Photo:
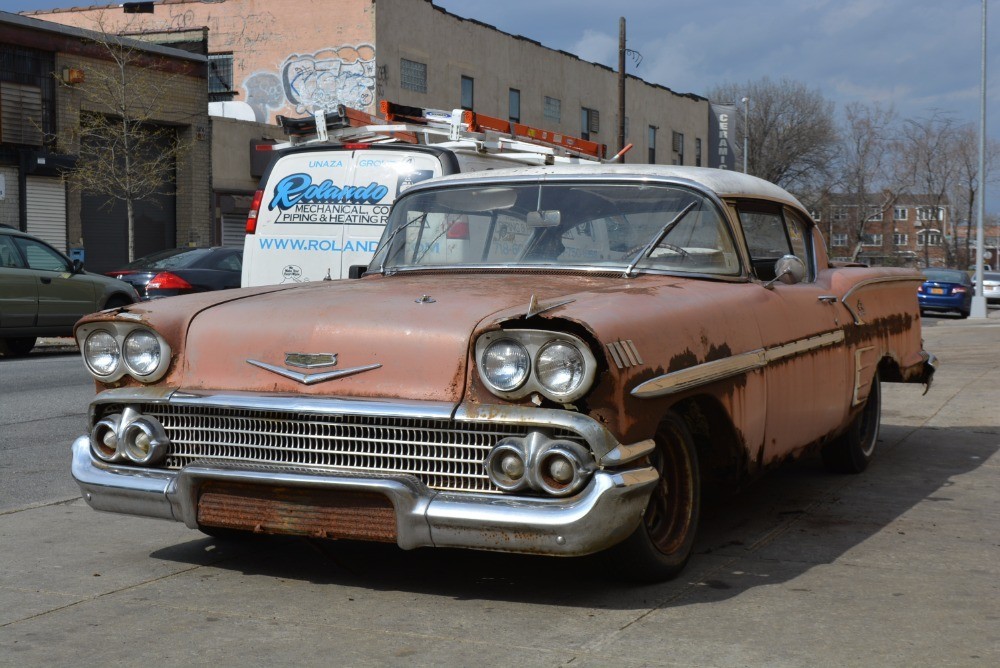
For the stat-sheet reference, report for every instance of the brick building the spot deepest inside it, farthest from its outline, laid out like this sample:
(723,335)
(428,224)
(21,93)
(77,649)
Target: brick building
(44,71)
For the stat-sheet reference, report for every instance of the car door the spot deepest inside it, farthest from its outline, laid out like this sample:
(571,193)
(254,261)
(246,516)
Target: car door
(63,297)
(18,287)
(801,333)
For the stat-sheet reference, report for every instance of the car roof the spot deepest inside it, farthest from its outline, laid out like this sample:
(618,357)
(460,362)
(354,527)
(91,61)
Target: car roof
(724,183)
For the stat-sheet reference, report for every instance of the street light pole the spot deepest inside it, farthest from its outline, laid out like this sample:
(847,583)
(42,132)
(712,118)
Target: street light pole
(746,129)
(978,309)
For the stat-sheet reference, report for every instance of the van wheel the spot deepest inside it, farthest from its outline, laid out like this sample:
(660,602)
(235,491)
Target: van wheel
(852,451)
(661,545)
(17,347)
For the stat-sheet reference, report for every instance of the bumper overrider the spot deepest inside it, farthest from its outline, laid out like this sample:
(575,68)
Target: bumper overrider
(603,505)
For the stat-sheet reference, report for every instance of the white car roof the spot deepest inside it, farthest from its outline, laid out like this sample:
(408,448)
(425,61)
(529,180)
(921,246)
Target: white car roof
(723,182)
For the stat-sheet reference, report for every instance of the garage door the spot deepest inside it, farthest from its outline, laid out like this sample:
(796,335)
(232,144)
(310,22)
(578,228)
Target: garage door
(45,202)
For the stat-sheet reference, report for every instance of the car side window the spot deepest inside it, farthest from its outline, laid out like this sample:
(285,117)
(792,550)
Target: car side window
(40,256)
(770,235)
(9,256)
(230,263)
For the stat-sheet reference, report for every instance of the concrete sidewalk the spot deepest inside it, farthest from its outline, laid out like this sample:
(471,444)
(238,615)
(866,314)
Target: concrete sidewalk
(899,566)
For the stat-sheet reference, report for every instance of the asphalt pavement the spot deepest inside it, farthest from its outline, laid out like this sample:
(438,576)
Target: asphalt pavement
(898,566)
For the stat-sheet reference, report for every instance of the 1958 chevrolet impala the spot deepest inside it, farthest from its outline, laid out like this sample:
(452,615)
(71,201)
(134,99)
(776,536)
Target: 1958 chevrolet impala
(552,360)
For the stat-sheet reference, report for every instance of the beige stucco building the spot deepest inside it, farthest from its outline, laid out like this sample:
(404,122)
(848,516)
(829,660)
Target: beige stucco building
(303,55)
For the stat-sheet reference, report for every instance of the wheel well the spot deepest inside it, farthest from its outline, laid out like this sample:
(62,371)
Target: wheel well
(117,299)
(722,459)
(889,371)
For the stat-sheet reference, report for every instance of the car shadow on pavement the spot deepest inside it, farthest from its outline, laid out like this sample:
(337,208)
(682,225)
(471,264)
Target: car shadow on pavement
(793,519)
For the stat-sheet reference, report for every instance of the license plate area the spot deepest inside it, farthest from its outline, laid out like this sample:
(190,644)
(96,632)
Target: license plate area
(294,511)
(937,291)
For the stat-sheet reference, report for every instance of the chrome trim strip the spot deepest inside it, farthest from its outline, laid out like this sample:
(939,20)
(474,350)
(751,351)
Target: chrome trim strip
(312,378)
(534,308)
(624,454)
(710,372)
(872,281)
(616,354)
(604,513)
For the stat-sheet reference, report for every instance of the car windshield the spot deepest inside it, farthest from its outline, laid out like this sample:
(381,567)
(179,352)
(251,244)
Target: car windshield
(175,258)
(618,226)
(946,276)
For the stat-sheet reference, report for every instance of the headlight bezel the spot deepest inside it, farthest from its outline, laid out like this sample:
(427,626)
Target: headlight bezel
(534,341)
(120,331)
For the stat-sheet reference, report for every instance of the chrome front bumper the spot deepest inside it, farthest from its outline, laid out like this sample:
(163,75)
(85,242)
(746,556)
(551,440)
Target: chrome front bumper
(605,512)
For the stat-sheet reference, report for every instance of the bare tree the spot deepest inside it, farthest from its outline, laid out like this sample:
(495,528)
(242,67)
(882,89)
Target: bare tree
(967,185)
(124,153)
(868,172)
(791,129)
(929,147)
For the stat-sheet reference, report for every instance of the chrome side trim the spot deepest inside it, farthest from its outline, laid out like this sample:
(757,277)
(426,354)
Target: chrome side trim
(710,372)
(624,454)
(624,354)
(872,281)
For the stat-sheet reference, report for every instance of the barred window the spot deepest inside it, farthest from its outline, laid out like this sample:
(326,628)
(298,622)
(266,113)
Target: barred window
(413,75)
(220,77)
(20,114)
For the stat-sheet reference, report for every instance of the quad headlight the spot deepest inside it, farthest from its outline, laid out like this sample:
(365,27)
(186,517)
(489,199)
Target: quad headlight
(516,363)
(115,349)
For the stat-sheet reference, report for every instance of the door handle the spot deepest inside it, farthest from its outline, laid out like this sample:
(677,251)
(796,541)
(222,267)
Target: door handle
(829,299)
(46,281)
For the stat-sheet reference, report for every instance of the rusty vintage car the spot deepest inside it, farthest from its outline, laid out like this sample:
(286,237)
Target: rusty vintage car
(550,360)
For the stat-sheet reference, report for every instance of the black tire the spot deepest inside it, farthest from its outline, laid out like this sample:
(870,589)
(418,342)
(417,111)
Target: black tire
(852,451)
(18,346)
(116,301)
(964,314)
(661,546)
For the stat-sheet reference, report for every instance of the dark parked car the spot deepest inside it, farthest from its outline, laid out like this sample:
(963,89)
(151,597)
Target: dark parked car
(181,271)
(946,290)
(44,293)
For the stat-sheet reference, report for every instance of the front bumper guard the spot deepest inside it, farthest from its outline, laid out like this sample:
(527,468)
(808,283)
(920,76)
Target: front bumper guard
(604,513)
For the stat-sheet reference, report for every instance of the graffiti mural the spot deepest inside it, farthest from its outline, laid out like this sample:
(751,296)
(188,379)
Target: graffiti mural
(264,94)
(339,75)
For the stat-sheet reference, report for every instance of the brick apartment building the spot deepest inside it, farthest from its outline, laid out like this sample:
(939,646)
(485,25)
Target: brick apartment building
(44,71)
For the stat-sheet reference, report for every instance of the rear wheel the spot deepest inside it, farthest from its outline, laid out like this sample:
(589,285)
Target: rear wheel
(661,546)
(17,347)
(852,451)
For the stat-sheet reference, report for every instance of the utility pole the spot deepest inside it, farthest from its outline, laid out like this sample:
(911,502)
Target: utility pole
(621,86)
(746,131)
(978,308)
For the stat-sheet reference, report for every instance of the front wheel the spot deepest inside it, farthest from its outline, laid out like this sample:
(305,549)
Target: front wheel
(17,347)
(854,449)
(661,545)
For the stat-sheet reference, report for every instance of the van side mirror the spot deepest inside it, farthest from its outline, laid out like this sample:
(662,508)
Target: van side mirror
(76,266)
(357,270)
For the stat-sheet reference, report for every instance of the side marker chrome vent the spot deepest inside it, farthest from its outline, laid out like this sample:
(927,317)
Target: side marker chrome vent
(625,354)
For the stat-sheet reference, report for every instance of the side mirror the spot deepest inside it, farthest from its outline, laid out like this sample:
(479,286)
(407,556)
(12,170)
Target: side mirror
(550,218)
(76,266)
(789,270)
(357,270)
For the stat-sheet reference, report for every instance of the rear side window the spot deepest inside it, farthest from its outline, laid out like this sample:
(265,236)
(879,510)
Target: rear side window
(772,234)
(9,257)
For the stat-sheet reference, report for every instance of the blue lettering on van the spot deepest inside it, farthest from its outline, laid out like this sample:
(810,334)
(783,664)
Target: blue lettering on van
(313,164)
(300,189)
(322,245)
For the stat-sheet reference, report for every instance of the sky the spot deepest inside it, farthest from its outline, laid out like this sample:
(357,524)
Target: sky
(920,56)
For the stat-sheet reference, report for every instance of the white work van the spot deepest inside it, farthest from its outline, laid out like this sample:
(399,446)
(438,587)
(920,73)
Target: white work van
(324,201)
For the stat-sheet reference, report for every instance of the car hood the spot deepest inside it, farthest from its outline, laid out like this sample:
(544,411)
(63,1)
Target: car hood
(406,337)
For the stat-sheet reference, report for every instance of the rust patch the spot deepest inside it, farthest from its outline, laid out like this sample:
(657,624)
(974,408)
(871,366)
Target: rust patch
(302,512)
(682,361)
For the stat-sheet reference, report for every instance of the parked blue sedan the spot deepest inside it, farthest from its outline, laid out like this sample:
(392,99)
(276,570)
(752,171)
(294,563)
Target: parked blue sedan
(946,290)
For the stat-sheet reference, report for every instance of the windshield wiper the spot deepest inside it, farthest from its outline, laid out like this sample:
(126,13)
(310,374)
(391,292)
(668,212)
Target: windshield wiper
(648,248)
(419,219)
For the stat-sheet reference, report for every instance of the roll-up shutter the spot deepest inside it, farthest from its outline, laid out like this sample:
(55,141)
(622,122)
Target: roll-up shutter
(45,200)
(234,229)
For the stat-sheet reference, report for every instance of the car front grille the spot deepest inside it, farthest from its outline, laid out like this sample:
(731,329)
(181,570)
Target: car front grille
(443,454)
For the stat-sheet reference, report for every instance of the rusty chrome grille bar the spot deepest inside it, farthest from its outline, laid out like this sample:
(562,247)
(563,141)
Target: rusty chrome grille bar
(444,454)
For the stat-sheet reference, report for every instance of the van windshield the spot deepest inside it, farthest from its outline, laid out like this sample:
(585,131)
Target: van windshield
(564,225)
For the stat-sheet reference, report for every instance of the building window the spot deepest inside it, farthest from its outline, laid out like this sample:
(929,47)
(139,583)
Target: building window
(816,215)
(590,122)
(839,240)
(678,146)
(899,239)
(899,213)
(220,77)
(871,239)
(652,145)
(839,214)
(514,105)
(874,214)
(468,88)
(926,213)
(929,238)
(413,75)
(552,109)
(697,152)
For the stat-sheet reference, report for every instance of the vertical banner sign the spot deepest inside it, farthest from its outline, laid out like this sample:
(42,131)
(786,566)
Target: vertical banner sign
(721,129)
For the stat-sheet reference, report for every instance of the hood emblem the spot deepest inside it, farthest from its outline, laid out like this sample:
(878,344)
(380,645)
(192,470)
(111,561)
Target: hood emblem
(310,360)
(535,307)
(313,378)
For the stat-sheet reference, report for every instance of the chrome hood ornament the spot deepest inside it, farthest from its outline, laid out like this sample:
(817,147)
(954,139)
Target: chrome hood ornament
(311,361)
(534,307)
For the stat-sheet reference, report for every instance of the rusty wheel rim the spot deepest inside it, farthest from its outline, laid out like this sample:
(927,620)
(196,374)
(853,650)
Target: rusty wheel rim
(668,516)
